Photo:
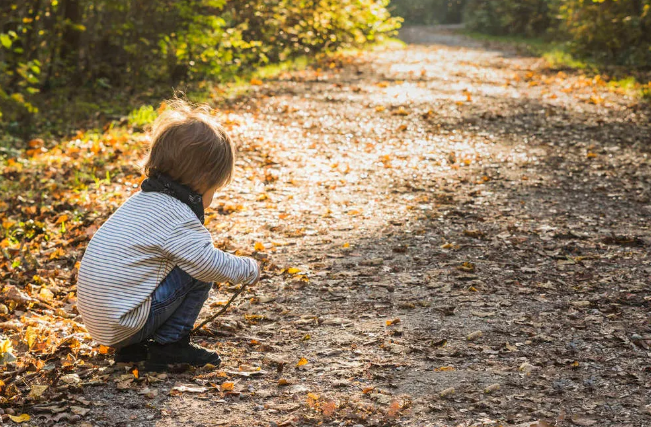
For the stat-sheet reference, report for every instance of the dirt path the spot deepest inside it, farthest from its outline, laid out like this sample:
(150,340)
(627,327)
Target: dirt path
(470,233)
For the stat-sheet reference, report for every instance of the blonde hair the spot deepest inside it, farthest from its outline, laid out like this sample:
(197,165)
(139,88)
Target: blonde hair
(190,146)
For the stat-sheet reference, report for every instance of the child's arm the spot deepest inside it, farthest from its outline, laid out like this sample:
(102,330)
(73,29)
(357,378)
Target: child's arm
(191,247)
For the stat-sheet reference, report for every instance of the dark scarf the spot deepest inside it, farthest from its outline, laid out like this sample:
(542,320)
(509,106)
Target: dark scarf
(161,183)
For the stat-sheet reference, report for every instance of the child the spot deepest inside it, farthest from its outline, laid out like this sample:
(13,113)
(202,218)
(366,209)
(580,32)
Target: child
(148,270)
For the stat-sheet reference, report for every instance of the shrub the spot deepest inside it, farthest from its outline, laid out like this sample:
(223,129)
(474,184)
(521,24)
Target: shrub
(509,17)
(610,31)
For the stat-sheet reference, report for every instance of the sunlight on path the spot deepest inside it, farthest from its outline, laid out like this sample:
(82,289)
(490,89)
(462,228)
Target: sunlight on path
(426,194)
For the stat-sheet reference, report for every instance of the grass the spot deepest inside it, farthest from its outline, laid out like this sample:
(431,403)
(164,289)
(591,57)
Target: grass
(558,57)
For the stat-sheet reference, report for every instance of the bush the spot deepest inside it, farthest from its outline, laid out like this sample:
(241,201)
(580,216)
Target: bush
(610,31)
(429,11)
(509,17)
(614,32)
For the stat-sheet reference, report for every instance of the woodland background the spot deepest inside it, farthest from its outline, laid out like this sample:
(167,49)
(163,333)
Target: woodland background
(66,62)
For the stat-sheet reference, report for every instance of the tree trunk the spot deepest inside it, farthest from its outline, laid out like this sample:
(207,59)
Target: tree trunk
(71,38)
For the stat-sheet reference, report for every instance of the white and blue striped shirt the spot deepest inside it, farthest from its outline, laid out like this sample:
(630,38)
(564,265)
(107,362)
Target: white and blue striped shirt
(135,249)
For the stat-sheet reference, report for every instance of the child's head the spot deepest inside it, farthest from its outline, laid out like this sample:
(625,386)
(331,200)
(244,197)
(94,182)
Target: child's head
(189,146)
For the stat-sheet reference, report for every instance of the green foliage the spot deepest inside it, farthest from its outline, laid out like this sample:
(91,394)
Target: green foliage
(108,46)
(509,17)
(142,116)
(614,32)
(610,31)
(429,11)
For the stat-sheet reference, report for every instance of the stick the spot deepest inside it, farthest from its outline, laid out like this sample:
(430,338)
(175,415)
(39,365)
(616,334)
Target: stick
(220,312)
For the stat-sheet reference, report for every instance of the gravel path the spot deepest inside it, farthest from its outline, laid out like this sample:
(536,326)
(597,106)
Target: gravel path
(455,235)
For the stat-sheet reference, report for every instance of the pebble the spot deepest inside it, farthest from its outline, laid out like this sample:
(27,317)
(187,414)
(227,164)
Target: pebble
(492,388)
(447,392)
(526,367)
(475,335)
(71,379)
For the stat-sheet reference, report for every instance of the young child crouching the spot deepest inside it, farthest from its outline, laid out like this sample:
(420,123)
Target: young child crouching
(148,270)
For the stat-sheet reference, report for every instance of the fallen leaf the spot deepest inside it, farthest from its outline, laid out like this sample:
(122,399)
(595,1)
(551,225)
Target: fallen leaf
(328,408)
(188,389)
(492,388)
(467,267)
(19,418)
(475,335)
(78,410)
(394,409)
(36,392)
(71,379)
(447,392)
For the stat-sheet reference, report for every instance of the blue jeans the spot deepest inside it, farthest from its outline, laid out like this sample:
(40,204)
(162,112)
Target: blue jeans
(175,305)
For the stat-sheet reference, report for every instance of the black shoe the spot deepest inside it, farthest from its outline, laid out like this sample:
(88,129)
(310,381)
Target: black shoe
(182,352)
(132,353)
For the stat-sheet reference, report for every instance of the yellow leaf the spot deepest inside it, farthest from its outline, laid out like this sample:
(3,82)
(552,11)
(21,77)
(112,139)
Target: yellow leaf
(135,372)
(346,245)
(256,82)
(283,382)
(302,362)
(259,246)
(19,418)
(379,108)
(103,349)
(5,347)
(401,112)
(36,392)
(30,336)
(393,322)
(466,266)
(313,396)
(293,270)
(57,253)
(46,294)
(227,386)
(62,218)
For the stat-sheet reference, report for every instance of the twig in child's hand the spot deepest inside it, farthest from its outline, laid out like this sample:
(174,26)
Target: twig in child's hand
(220,312)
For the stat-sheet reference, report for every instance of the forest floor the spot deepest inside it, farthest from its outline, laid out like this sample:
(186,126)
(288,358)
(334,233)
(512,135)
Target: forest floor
(456,235)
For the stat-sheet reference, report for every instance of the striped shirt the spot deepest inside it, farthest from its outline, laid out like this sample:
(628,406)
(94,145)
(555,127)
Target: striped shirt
(134,250)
